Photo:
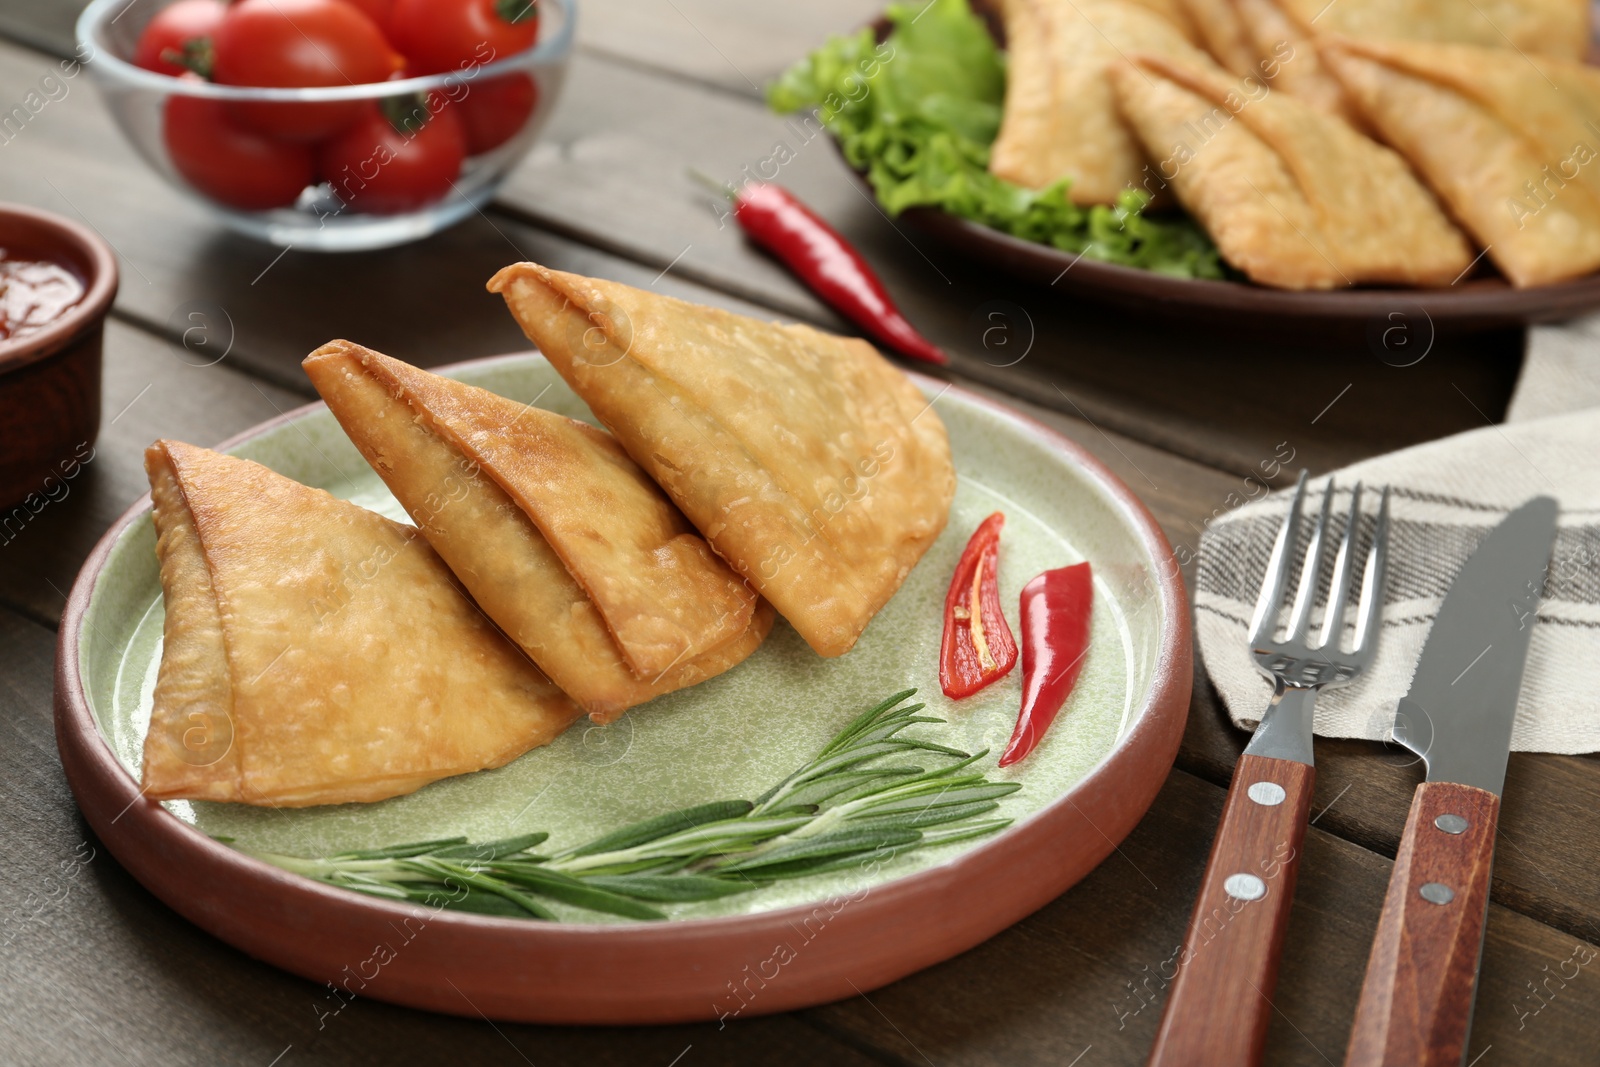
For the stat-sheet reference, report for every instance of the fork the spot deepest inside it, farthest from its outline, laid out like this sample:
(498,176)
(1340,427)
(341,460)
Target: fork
(1220,1000)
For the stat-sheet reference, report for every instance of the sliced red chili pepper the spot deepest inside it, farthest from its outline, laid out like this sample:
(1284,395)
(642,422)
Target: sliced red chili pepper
(977,648)
(828,264)
(1055,640)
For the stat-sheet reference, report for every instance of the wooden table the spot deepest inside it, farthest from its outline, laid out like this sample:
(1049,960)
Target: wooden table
(95,970)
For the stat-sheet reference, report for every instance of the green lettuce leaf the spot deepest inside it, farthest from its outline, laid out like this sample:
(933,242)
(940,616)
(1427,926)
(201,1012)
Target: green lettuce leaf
(918,113)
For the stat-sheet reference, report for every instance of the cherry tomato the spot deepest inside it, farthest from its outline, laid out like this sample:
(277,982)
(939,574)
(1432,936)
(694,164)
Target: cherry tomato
(378,11)
(395,157)
(229,164)
(172,29)
(299,43)
(443,35)
(495,109)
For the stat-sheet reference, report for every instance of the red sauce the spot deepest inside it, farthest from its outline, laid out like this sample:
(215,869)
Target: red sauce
(33,294)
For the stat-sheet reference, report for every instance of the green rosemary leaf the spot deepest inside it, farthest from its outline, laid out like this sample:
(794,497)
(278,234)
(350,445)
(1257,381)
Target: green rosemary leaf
(863,721)
(455,874)
(466,898)
(813,794)
(671,888)
(927,816)
(492,850)
(923,801)
(929,746)
(830,844)
(963,833)
(849,807)
(415,848)
(577,892)
(661,826)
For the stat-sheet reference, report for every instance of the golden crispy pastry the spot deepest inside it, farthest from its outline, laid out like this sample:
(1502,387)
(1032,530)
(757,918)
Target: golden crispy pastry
(1221,29)
(315,652)
(1286,55)
(1545,27)
(1174,12)
(1507,141)
(813,466)
(558,535)
(1060,118)
(1294,198)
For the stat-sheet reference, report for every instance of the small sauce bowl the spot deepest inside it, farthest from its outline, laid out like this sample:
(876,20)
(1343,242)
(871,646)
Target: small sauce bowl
(50,376)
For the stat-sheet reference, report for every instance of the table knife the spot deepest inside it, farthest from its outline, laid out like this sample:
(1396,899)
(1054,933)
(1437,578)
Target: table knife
(1416,1000)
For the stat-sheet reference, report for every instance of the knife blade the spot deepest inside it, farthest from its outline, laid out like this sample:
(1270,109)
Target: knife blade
(1463,698)
(1416,1000)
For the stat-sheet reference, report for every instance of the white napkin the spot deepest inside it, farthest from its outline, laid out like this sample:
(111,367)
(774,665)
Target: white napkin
(1561,371)
(1445,496)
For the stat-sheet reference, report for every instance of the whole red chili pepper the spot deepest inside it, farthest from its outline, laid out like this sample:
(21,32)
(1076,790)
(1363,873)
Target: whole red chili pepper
(1055,639)
(977,648)
(826,262)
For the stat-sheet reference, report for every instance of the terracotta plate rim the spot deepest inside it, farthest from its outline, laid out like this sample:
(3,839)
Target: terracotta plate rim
(149,840)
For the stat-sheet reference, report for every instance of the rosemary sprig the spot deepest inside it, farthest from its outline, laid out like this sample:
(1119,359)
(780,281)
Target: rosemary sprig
(855,802)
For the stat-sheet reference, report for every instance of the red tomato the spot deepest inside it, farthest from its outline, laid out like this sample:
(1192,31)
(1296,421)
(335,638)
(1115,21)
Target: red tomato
(173,28)
(495,109)
(383,168)
(443,35)
(233,166)
(299,43)
(379,11)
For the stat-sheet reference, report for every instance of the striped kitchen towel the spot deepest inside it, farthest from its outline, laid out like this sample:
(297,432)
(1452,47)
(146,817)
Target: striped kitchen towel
(1445,496)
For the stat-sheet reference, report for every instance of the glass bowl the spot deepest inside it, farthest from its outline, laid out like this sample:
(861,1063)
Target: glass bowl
(141,101)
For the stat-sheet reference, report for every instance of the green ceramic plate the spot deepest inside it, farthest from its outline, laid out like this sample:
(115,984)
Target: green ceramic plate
(736,735)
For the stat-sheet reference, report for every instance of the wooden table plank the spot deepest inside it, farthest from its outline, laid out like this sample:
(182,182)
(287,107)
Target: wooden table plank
(1548,863)
(612,170)
(90,960)
(611,174)
(1545,860)
(151,389)
(93,969)
(1086,971)
(733,45)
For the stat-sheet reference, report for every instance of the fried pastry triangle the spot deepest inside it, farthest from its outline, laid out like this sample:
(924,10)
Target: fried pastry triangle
(1294,198)
(813,466)
(1509,142)
(557,534)
(1557,28)
(315,652)
(1286,55)
(1060,117)
(1223,32)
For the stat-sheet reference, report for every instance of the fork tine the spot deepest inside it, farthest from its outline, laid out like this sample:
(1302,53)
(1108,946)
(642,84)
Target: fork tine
(1264,621)
(1310,569)
(1369,615)
(1339,587)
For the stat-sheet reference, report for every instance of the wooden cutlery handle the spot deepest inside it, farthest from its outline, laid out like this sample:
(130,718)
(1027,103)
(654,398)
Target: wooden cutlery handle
(1416,1001)
(1219,1005)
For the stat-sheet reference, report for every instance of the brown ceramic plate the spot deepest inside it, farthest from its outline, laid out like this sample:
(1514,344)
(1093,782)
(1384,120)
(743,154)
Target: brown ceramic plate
(785,946)
(1482,300)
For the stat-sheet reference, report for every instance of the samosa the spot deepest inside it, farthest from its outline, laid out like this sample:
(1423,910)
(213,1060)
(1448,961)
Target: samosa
(1510,142)
(1558,28)
(1294,198)
(1286,55)
(1223,31)
(812,465)
(1060,118)
(556,533)
(316,652)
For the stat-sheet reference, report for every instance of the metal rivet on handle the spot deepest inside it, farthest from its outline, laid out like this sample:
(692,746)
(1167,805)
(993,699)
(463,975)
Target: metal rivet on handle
(1268,794)
(1451,824)
(1244,887)
(1437,893)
